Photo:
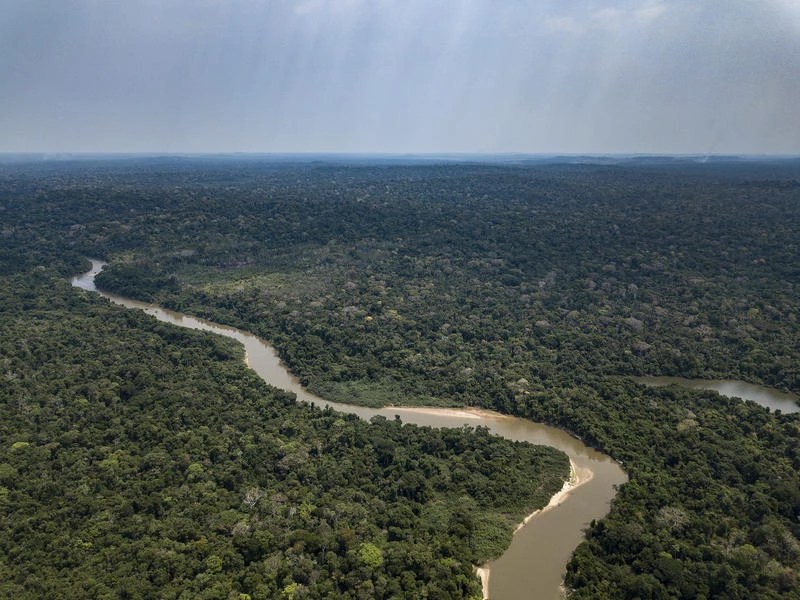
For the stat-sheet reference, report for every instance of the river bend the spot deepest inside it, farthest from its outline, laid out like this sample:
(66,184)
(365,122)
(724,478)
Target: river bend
(533,566)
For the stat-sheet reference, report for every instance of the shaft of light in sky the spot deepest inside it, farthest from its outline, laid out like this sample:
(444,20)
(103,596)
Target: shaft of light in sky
(669,76)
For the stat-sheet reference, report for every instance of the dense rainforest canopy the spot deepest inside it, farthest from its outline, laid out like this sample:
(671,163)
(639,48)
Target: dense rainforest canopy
(142,461)
(536,290)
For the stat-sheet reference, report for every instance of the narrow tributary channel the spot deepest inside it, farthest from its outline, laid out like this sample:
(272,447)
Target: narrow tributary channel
(533,566)
(765,396)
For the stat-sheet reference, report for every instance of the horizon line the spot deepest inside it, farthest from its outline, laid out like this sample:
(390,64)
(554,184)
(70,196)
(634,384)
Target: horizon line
(62,155)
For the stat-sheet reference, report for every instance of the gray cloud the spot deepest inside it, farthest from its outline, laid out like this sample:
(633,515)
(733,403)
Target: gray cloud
(400,76)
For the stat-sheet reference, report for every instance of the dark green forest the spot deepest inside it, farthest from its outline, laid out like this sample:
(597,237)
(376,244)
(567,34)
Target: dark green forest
(143,461)
(535,290)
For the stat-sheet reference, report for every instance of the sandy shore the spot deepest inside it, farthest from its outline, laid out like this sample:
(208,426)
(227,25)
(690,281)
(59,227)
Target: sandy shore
(483,573)
(464,413)
(577,477)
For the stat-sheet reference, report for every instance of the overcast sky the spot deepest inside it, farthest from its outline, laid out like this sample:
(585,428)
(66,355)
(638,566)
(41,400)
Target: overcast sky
(568,76)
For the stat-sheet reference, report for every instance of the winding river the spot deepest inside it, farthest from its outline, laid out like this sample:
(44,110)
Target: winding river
(532,568)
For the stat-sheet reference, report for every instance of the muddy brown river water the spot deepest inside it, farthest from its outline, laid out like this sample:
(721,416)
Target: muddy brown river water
(532,568)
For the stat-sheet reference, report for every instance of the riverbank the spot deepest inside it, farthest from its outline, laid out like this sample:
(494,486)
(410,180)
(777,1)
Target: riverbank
(461,413)
(577,477)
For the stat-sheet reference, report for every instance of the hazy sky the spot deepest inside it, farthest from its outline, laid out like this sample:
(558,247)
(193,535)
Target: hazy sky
(577,76)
